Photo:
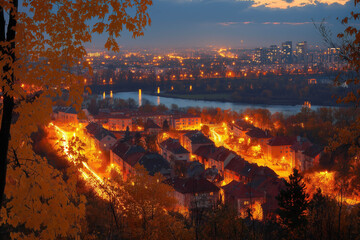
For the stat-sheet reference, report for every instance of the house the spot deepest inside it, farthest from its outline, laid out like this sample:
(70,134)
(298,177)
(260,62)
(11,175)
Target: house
(151,127)
(240,128)
(195,139)
(257,136)
(262,186)
(171,150)
(65,114)
(219,157)
(243,197)
(242,171)
(194,193)
(202,154)
(99,136)
(311,157)
(297,150)
(232,170)
(186,122)
(278,148)
(212,156)
(119,123)
(157,117)
(126,156)
(155,163)
(270,187)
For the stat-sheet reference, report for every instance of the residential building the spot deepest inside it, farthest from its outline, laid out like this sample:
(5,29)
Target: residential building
(65,114)
(186,122)
(151,127)
(257,136)
(278,148)
(195,139)
(172,150)
(126,156)
(194,193)
(240,128)
(99,137)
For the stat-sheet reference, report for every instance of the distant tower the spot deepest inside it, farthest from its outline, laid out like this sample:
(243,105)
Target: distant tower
(286,51)
(301,51)
(273,54)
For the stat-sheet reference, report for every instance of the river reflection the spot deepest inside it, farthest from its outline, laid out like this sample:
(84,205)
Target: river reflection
(183,103)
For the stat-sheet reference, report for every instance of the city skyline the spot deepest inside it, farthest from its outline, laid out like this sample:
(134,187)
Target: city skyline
(236,24)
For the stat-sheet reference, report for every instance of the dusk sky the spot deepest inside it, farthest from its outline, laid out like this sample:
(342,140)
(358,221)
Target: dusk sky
(237,24)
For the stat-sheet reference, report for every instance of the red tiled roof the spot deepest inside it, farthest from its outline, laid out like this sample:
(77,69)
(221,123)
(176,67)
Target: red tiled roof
(301,146)
(204,151)
(150,124)
(192,185)
(243,125)
(241,190)
(120,148)
(173,146)
(236,164)
(282,141)
(313,151)
(133,158)
(258,133)
(197,137)
(220,154)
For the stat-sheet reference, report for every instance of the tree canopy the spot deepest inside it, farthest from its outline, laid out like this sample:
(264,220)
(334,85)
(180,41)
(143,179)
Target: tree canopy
(42,54)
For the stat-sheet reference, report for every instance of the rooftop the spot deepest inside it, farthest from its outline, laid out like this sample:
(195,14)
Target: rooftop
(173,146)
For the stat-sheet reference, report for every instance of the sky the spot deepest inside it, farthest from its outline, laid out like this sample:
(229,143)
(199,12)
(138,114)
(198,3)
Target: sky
(235,23)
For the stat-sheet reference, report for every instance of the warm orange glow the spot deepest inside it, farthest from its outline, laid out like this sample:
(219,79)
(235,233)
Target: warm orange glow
(326,181)
(88,174)
(298,3)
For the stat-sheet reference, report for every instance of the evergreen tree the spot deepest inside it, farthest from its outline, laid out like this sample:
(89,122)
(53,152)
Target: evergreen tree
(127,136)
(166,126)
(293,202)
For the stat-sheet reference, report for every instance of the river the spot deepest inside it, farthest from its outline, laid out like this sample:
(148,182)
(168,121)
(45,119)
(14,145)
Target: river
(183,103)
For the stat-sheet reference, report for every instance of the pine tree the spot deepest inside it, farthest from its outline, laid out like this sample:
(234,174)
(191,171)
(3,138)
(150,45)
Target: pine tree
(293,202)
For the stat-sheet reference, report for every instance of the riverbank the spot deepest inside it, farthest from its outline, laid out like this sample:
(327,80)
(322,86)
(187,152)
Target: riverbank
(184,103)
(223,97)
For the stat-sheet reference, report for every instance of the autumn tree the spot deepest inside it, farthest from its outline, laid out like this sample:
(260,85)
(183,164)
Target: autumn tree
(42,49)
(144,203)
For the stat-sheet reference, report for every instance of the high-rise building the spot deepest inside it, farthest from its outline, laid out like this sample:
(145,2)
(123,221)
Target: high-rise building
(286,52)
(333,55)
(260,55)
(273,54)
(301,51)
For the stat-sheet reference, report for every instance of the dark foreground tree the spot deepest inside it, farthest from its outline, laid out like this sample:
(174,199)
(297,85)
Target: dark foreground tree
(293,202)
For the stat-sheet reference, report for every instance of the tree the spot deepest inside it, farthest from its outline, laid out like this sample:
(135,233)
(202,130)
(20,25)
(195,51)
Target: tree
(143,202)
(41,49)
(166,126)
(293,202)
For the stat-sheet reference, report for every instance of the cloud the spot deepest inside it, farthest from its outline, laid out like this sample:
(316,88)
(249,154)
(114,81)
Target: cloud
(227,24)
(284,4)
